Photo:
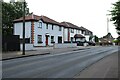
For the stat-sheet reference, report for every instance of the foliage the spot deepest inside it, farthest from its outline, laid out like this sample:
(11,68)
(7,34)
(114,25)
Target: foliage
(96,39)
(10,12)
(116,41)
(90,38)
(115,13)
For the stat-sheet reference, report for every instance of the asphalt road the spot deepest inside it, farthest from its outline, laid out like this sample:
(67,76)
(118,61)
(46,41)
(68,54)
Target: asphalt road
(63,65)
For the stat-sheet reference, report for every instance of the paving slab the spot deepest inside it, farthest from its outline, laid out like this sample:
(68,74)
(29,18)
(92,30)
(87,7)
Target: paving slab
(104,68)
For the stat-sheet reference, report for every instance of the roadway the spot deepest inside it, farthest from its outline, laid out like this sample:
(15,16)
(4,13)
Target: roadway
(62,65)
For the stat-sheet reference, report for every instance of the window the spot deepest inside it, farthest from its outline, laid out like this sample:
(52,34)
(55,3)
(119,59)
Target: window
(39,38)
(82,32)
(52,39)
(59,39)
(78,31)
(60,28)
(46,26)
(72,30)
(52,27)
(40,25)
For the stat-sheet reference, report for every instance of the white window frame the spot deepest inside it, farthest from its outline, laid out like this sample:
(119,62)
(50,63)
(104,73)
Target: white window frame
(39,38)
(40,25)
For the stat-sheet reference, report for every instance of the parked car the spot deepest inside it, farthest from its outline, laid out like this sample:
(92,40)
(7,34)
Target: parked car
(91,43)
(79,43)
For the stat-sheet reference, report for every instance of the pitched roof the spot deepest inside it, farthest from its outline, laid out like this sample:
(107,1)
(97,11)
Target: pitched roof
(69,25)
(48,20)
(37,18)
(28,18)
(85,29)
(78,36)
(45,19)
(108,36)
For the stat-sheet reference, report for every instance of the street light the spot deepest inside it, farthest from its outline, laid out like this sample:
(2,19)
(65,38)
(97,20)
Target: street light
(23,1)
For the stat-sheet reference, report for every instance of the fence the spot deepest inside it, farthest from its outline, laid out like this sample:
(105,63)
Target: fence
(11,43)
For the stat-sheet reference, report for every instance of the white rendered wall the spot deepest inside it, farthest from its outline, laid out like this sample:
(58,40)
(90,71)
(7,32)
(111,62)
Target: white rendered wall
(87,37)
(27,47)
(42,31)
(65,34)
(18,29)
(65,45)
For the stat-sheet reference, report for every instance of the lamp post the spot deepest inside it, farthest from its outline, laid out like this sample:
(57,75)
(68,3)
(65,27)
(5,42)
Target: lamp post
(22,1)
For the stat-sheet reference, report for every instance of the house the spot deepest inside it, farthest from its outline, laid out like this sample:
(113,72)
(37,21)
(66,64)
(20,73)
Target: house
(39,30)
(43,31)
(72,32)
(87,33)
(106,40)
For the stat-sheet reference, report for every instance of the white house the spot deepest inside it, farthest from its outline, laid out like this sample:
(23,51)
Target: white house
(43,31)
(75,33)
(39,30)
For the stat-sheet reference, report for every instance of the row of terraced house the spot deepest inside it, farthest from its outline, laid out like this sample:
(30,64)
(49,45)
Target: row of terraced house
(43,31)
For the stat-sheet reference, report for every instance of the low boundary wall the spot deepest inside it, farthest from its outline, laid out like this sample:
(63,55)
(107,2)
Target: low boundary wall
(27,46)
(65,45)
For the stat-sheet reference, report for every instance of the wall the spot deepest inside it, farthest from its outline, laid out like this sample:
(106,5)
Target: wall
(65,45)
(65,34)
(87,37)
(42,31)
(18,29)
(27,46)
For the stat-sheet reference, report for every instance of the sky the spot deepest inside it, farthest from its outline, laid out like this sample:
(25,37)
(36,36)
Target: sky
(90,14)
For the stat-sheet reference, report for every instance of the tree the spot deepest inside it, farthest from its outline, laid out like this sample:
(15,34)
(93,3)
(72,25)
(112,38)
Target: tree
(10,12)
(90,38)
(115,13)
(96,38)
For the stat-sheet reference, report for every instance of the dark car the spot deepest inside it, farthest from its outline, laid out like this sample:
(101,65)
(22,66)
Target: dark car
(79,43)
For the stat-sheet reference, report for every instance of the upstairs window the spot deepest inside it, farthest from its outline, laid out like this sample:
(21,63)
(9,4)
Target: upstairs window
(46,26)
(40,25)
(72,30)
(60,28)
(82,32)
(52,27)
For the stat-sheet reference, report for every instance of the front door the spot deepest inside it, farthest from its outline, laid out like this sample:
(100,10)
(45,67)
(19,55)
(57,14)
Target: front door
(46,40)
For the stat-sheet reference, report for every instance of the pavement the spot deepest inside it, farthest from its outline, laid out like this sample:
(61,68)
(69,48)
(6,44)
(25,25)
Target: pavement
(40,51)
(104,68)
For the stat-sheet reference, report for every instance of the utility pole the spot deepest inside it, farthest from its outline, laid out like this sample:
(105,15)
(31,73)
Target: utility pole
(23,28)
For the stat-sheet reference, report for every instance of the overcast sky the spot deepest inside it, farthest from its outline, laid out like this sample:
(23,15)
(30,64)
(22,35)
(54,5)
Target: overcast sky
(90,14)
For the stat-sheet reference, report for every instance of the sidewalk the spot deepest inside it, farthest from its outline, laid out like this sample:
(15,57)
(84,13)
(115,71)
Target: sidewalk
(39,51)
(105,68)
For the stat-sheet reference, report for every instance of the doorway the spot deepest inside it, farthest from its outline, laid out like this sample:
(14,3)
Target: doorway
(46,40)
